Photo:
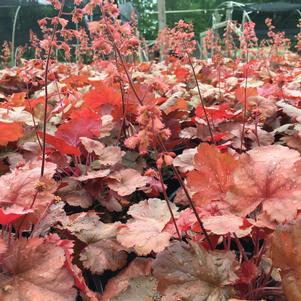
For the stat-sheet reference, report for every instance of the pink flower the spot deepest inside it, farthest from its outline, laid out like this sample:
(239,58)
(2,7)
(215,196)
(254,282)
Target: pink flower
(131,142)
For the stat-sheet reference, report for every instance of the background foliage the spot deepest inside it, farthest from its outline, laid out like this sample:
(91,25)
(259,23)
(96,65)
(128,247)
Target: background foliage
(148,24)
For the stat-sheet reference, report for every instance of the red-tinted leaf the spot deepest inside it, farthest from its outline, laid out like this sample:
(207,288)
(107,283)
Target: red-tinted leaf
(102,95)
(24,188)
(60,145)
(185,221)
(11,214)
(215,113)
(84,123)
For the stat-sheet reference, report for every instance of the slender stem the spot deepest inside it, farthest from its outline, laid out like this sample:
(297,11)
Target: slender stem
(123,63)
(183,186)
(162,184)
(123,125)
(256,128)
(260,253)
(201,98)
(168,204)
(245,104)
(229,241)
(60,98)
(33,118)
(240,247)
(266,291)
(256,242)
(219,82)
(24,217)
(46,89)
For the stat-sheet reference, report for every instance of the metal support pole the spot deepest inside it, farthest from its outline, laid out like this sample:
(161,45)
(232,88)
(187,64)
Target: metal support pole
(229,11)
(13,63)
(161,14)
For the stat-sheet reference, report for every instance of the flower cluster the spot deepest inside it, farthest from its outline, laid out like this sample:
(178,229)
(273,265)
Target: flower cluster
(165,158)
(63,37)
(229,33)
(109,32)
(5,53)
(178,41)
(298,37)
(248,39)
(151,127)
(277,39)
(208,42)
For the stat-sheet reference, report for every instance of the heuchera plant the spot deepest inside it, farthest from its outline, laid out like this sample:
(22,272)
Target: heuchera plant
(159,181)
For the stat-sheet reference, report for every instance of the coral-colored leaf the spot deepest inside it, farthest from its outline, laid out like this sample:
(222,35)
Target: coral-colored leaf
(145,232)
(227,223)
(266,106)
(126,181)
(54,215)
(102,95)
(88,228)
(3,246)
(10,132)
(185,160)
(74,194)
(135,283)
(95,174)
(33,270)
(92,145)
(17,99)
(102,252)
(24,188)
(213,174)
(271,176)
(179,104)
(189,272)
(243,93)
(286,245)
(105,254)
(106,155)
